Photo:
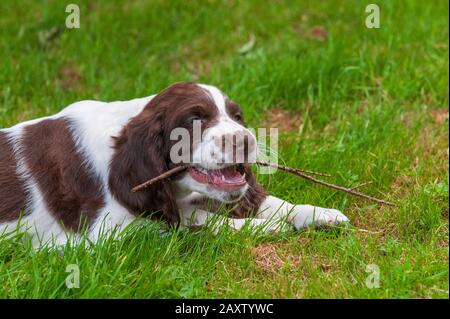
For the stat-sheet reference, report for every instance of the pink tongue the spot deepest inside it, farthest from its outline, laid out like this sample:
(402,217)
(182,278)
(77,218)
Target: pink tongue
(225,179)
(229,177)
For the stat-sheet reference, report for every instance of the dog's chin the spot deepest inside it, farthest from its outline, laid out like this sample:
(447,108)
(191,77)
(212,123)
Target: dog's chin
(227,185)
(222,196)
(228,197)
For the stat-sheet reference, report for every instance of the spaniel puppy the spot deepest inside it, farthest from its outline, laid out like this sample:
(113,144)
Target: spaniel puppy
(74,171)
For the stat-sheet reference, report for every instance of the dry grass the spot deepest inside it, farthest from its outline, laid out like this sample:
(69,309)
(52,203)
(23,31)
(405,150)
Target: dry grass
(284,120)
(69,77)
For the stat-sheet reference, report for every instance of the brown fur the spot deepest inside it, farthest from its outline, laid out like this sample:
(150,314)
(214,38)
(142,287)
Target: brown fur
(72,193)
(12,192)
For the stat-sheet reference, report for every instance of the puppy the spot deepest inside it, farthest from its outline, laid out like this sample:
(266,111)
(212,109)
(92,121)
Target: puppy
(74,171)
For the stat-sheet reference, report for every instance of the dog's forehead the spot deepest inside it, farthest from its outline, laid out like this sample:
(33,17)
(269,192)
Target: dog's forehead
(205,95)
(217,95)
(220,99)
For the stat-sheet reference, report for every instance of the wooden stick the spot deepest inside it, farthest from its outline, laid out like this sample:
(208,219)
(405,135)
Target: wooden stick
(318,181)
(179,169)
(298,172)
(312,172)
(292,170)
(158,178)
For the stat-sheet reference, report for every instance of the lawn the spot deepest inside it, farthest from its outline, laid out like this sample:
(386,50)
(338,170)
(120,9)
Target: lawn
(361,104)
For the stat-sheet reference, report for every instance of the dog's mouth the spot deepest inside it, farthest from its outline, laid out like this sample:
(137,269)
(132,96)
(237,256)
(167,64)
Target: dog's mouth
(227,179)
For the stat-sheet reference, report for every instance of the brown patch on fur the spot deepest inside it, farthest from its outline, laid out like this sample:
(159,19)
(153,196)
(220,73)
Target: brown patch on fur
(12,192)
(71,191)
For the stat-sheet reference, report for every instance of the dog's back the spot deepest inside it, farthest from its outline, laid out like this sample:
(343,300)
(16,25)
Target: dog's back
(54,170)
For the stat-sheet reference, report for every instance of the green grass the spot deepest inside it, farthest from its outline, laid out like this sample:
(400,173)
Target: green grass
(367,98)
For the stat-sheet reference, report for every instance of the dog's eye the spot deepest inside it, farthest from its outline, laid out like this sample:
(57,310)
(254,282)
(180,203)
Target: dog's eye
(238,116)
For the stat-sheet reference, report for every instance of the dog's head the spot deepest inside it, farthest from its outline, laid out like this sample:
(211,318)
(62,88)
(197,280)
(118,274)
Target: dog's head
(190,124)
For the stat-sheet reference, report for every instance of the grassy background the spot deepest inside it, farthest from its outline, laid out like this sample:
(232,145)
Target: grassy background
(363,104)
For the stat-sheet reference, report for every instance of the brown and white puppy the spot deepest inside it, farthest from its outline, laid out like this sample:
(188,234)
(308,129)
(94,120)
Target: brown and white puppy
(75,170)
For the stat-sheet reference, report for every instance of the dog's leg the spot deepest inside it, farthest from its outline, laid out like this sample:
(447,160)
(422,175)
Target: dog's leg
(112,219)
(193,217)
(299,215)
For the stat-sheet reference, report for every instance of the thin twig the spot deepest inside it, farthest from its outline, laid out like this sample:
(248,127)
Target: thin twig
(312,172)
(298,172)
(179,169)
(158,178)
(318,181)
(292,170)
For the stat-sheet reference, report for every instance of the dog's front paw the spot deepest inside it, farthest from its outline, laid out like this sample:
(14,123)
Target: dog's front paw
(306,215)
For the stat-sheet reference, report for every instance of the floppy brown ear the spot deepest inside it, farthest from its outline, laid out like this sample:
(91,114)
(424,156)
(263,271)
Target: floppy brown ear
(249,205)
(140,154)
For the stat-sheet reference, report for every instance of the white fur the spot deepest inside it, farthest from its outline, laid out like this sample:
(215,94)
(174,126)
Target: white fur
(112,217)
(219,99)
(300,215)
(274,214)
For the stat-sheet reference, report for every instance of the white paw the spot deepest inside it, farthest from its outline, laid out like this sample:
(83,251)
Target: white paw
(306,215)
